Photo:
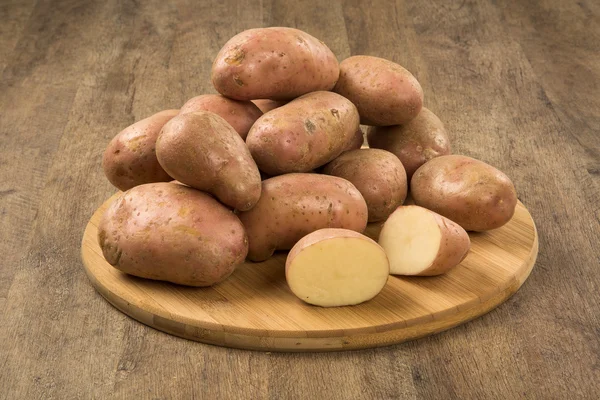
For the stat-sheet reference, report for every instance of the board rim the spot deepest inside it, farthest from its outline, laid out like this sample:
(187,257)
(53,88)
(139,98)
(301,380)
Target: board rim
(291,340)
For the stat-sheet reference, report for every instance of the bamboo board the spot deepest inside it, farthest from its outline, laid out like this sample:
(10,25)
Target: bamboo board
(254,308)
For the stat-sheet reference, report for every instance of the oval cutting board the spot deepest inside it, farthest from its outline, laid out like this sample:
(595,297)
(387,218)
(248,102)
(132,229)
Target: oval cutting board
(254,308)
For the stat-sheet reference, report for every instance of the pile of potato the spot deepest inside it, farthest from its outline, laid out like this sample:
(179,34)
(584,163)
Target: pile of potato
(275,163)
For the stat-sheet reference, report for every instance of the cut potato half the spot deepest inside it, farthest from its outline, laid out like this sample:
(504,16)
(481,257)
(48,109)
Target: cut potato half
(336,267)
(418,241)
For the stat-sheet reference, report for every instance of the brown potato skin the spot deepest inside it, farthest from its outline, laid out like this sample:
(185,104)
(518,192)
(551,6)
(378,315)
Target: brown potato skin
(305,134)
(415,142)
(294,205)
(202,150)
(384,92)
(266,105)
(357,141)
(470,192)
(273,63)
(173,233)
(454,247)
(239,114)
(130,157)
(377,174)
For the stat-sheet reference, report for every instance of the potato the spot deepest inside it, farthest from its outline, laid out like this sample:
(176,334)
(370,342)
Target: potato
(415,142)
(130,157)
(239,114)
(384,92)
(377,174)
(304,134)
(470,192)
(294,205)
(336,267)
(266,105)
(202,150)
(357,141)
(420,242)
(174,233)
(273,63)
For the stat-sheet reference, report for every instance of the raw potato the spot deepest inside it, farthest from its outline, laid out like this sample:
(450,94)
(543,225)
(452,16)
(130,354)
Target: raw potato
(266,105)
(415,142)
(239,114)
(202,150)
(130,157)
(294,205)
(420,242)
(357,141)
(470,192)
(377,174)
(273,63)
(336,267)
(384,92)
(173,233)
(304,134)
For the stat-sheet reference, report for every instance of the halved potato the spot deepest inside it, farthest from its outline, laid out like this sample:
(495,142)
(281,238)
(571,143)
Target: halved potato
(336,267)
(418,241)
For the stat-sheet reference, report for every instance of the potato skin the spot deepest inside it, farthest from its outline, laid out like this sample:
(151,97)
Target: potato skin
(130,157)
(470,192)
(273,63)
(415,142)
(304,134)
(294,205)
(174,233)
(454,241)
(266,105)
(357,141)
(384,92)
(377,174)
(239,114)
(454,246)
(202,150)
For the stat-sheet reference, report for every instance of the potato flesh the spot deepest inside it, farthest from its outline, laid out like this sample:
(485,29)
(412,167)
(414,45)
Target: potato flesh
(411,240)
(338,272)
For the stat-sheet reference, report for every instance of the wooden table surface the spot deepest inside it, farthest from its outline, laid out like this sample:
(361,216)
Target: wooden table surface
(517,84)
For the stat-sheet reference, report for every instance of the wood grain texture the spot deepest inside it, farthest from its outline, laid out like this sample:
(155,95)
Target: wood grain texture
(516,84)
(254,308)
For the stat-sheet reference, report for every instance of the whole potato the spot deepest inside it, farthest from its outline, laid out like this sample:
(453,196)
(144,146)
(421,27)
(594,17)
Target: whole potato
(239,114)
(384,92)
(130,157)
(202,150)
(266,105)
(294,205)
(470,192)
(273,63)
(173,233)
(377,174)
(304,134)
(415,142)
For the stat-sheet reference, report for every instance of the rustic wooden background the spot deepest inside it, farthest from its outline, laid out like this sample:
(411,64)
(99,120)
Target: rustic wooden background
(517,84)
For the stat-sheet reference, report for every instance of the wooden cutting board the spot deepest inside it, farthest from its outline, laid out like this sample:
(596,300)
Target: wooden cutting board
(254,308)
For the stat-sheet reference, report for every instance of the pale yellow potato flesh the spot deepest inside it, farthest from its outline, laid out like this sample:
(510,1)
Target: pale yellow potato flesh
(411,240)
(338,272)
